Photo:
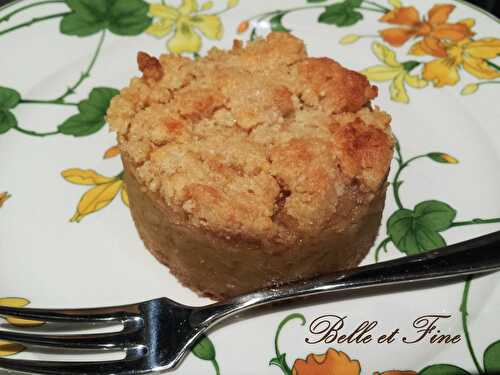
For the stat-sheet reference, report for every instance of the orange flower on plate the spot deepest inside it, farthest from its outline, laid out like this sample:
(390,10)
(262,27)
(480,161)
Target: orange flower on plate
(472,55)
(111,152)
(243,26)
(3,198)
(330,363)
(434,29)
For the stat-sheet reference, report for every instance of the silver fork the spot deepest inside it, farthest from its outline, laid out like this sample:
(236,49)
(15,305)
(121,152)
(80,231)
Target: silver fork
(158,333)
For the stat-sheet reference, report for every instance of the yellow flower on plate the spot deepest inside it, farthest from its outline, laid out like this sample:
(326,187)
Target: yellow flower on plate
(394,71)
(208,5)
(184,22)
(330,363)
(104,190)
(469,89)
(125,195)
(18,302)
(470,54)
(449,159)
(9,348)
(395,3)
(349,39)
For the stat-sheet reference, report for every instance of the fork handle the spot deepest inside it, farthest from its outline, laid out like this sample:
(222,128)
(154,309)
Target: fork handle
(478,255)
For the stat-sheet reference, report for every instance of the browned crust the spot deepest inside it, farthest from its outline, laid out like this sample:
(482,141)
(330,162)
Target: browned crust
(333,87)
(149,66)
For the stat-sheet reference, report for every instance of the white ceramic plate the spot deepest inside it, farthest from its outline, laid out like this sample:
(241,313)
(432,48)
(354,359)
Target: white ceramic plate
(440,85)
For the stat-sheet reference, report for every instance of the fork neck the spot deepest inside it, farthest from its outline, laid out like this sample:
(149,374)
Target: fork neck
(210,315)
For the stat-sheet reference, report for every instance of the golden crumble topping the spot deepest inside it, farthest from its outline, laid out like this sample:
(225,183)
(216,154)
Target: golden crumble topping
(260,141)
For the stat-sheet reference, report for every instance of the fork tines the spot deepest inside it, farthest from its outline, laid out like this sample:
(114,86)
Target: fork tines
(127,339)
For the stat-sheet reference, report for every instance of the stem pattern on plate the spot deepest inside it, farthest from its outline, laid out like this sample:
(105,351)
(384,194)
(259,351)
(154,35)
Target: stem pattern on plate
(82,124)
(396,183)
(6,17)
(42,101)
(464,313)
(476,221)
(34,133)
(382,245)
(280,359)
(216,366)
(85,74)
(341,14)
(33,21)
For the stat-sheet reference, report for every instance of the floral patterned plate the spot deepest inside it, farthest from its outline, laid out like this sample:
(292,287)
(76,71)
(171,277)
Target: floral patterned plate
(66,236)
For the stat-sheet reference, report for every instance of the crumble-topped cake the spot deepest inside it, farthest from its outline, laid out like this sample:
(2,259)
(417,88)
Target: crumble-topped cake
(254,166)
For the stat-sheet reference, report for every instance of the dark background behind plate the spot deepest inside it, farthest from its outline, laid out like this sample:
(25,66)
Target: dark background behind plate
(492,6)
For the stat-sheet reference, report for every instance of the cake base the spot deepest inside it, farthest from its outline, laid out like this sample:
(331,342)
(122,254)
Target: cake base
(220,267)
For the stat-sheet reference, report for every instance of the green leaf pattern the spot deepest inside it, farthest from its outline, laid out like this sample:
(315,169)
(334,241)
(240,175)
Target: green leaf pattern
(342,14)
(204,349)
(92,112)
(416,231)
(492,358)
(434,215)
(277,23)
(9,99)
(443,369)
(7,121)
(120,17)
